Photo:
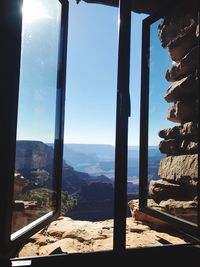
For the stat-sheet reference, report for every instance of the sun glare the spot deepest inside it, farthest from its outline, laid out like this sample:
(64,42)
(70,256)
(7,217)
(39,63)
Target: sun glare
(33,10)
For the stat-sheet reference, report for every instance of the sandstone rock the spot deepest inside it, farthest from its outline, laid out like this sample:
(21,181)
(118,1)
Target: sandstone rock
(181,209)
(179,48)
(151,221)
(175,26)
(188,129)
(179,146)
(163,190)
(189,147)
(186,210)
(187,65)
(182,112)
(169,147)
(67,245)
(30,249)
(177,33)
(98,236)
(181,169)
(183,89)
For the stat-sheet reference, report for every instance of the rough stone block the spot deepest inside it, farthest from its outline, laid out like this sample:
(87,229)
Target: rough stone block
(178,49)
(163,190)
(177,33)
(182,89)
(182,112)
(181,169)
(186,210)
(179,146)
(187,65)
(188,129)
(176,25)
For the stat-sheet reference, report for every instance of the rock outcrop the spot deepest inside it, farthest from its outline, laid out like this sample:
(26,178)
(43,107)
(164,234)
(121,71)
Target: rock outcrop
(72,236)
(33,155)
(176,190)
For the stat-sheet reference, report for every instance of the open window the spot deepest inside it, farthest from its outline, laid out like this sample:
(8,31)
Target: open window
(31,194)
(169,188)
(45,69)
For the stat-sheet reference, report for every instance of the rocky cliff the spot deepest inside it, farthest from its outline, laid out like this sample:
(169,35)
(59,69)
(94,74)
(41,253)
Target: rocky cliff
(33,155)
(33,184)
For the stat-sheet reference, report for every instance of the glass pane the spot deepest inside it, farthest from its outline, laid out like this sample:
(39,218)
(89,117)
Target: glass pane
(33,186)
(142,230)
(89,150)
(173,115)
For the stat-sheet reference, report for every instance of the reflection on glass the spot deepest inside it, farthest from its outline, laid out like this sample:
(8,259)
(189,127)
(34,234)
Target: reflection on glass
(33,181)
(173,115)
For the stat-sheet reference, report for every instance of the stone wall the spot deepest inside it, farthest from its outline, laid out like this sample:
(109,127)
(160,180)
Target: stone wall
(176,191)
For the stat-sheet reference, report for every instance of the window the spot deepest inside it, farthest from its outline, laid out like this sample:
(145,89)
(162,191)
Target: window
(35,201)
(169,187)
(12,200)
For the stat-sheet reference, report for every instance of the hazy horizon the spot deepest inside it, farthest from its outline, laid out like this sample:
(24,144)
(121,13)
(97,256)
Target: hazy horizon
(95,144)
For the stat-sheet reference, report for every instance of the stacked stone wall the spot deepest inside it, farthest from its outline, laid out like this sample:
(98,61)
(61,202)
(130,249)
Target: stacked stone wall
(176,191)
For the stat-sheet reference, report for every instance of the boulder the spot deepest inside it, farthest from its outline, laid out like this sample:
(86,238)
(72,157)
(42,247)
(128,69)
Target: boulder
(181,169)
(188,129)
(175,26)
(189,146)
(182,112)
(163,190)
(179,146)
(182,209)
(179,48)
(177,33)
(139,215)
(183,89)
(169,147)
(187,65)
(186,210)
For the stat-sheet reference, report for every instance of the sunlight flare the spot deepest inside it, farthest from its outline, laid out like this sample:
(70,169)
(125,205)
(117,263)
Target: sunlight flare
(33,10)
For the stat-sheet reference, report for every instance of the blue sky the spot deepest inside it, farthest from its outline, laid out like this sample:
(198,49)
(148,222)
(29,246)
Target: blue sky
(91,75)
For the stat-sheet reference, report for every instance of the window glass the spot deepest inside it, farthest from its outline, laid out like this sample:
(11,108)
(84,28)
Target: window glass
(89,149)
(33,181)
(173,115)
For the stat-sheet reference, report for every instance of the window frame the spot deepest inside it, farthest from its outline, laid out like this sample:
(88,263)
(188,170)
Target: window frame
(186,226)
(13,25)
